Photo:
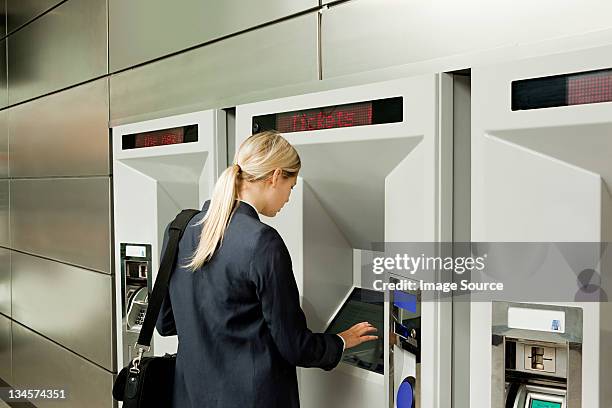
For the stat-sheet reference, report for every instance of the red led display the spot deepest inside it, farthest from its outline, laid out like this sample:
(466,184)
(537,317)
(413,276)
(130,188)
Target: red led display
(362,113)
(592,87)
(159,138)
(579,88)
(357,114)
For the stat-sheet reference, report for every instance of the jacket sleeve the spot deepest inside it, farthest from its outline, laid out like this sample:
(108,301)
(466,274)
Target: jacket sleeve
(165,321)
(165,324)
(272,274)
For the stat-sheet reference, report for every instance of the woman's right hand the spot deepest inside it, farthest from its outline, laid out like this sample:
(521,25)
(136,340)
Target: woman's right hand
(358,334)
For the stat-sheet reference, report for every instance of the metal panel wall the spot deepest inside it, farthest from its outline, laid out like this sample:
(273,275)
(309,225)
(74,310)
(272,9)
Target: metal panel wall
(5,282)
(3,75)
(141,30)
(19,12)
(3,21)
(5,349)
(4,213)
(217,74)
(39,362)
(403,32)
(69,305)
(63,219)
(4,157)
(62,48)
(61,144)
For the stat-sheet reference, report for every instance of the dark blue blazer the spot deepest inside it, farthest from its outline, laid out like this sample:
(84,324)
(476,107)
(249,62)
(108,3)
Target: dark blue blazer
(240,326)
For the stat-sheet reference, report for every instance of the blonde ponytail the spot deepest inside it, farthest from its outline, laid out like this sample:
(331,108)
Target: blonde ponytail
(256,159)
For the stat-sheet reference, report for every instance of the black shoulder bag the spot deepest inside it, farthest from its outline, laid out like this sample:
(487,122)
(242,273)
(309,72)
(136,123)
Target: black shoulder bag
(148,382)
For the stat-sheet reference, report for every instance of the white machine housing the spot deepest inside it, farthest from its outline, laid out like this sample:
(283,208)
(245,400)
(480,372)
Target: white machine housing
(542,175)
(153,184)
(358,186)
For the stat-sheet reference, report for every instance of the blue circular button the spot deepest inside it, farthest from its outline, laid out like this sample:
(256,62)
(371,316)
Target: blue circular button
(405,395)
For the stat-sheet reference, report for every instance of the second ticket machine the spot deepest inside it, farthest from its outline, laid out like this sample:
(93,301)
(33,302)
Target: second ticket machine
(541,172)
(160,167)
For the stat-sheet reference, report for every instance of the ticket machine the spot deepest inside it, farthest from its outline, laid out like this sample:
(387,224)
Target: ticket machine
(160,167)
(542,172)
(374,169)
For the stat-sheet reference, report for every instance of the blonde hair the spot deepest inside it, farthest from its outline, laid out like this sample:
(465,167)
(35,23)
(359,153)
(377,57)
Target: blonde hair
(256,159)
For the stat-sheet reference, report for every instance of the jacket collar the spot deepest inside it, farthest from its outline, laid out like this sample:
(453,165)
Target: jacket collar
(242,208)
(247,209)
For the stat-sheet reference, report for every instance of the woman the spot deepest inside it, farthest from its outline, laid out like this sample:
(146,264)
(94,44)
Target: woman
(233,299)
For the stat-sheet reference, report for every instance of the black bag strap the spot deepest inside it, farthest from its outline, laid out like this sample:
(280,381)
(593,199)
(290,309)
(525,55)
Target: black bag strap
(168,260)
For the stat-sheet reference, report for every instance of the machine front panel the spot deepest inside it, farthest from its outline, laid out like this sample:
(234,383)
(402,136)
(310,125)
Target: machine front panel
(541,172)
(160,167)
(364,180)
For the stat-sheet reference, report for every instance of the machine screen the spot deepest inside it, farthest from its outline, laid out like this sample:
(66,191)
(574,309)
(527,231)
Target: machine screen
(160,137)
(362,305)
(375,112)
(536,403)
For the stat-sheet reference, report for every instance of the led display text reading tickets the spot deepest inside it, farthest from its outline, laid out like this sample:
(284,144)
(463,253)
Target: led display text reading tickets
(364,113)
(356,114)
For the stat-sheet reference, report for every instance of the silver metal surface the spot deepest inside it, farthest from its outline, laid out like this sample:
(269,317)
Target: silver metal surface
(3,21)
(404,32)
(4,213)
(389,40)
(498,372)
(5,349)
(220,74)
(69,305)
(142,30)
(574,376)
(69,136)
(5,282)
(64,47)
(4,156)
(3,76)
(63,219)
(39,362)
(554,362)
(19,12)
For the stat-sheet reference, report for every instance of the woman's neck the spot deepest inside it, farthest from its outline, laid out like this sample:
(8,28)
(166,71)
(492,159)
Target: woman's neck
(250,200)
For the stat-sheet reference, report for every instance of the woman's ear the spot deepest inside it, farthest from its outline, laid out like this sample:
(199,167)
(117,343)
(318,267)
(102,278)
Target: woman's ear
(276,177)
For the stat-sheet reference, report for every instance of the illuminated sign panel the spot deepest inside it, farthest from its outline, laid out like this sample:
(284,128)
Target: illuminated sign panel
(562,90)
(365,113)
(162,137)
